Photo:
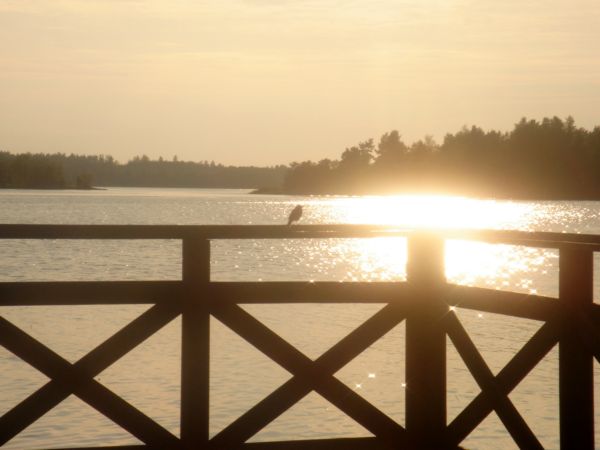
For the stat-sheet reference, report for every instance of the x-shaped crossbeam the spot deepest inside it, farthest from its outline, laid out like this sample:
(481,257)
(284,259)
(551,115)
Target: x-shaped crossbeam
(309,375)
(78,378)
(495,390)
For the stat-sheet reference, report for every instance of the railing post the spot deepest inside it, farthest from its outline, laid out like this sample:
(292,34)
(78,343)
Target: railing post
(576,382)
(426,343)
(195,344)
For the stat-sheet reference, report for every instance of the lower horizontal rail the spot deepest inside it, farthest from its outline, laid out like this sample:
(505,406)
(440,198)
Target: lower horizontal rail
(521,305)
(148,292)
(366,443)
(526,306)
(87,292)
(363,443)
(118,447)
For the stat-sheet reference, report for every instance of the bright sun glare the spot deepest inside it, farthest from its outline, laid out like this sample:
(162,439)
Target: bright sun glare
(472,263)
(433,211)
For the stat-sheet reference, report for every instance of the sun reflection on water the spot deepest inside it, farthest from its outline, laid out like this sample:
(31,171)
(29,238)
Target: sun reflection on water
(467,262)
(431,211)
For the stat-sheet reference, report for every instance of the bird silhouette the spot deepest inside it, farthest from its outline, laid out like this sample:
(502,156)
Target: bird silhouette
(295,214)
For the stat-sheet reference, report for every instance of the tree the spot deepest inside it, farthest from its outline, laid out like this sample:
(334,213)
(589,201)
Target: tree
(358,157)
(391,149)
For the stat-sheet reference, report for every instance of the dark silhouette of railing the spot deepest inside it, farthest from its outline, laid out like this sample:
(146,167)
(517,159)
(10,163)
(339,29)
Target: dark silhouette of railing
(422,301)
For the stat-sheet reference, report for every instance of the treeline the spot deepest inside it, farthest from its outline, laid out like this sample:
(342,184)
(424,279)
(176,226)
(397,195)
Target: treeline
(548,159)
(58,171)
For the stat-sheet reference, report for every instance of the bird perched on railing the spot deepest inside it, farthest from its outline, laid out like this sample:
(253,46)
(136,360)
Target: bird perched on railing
(295,214)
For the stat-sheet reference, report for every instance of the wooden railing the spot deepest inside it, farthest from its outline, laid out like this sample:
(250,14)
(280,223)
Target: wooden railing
(423,302)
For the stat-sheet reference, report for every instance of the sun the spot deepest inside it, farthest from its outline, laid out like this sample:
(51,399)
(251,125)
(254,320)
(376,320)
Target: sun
(431,211)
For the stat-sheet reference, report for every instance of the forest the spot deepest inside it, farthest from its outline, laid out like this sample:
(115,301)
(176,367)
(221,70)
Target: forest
(547,159)
(61,171)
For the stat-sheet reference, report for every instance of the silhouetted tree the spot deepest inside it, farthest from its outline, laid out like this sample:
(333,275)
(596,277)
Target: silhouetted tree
(551,158)
(391,149)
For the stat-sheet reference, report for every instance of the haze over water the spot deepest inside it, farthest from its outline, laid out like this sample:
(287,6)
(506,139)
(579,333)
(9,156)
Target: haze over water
(148,377)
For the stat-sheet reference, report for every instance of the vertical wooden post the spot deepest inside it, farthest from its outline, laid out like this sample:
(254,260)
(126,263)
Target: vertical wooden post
(576,382)
(426,343)
(195,345)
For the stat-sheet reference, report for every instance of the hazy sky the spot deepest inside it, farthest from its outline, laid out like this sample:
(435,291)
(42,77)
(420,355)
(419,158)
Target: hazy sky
(265,82)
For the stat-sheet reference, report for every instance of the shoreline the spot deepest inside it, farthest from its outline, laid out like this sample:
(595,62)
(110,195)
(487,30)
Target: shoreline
(280,191)
(269,191)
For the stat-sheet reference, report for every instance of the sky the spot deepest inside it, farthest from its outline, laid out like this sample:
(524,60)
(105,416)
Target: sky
(259,82)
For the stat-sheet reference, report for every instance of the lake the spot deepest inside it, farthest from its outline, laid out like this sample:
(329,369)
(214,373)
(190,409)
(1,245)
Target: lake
(149,376)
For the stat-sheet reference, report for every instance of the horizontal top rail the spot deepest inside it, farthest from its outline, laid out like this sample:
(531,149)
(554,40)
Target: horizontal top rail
(528,238)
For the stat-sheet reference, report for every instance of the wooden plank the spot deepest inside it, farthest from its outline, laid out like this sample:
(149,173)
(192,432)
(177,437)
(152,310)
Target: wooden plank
(365,443)
(195,344)
(363,412)
(540,239)
(114,447)
(576,382)
(129,337)
(262,414)
(148,292)
(508,414)
(125,415)
(35,231)
(514,304)
(30,409)
(426,343)
(87,292)
(361,338)
(261,337)
(533,239)
(276,292)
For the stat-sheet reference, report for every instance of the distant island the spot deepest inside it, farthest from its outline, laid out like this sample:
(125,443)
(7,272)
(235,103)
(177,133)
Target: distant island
(61,171)
(550,159)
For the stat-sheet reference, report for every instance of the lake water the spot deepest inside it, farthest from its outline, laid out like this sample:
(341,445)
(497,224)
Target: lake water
(149,376)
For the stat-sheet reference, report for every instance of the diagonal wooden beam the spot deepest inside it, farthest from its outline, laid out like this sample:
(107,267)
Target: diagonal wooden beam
(31,409)
(362,412)
(261,414)
(309,375)
(67,378)
(125,415)
(506,380)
